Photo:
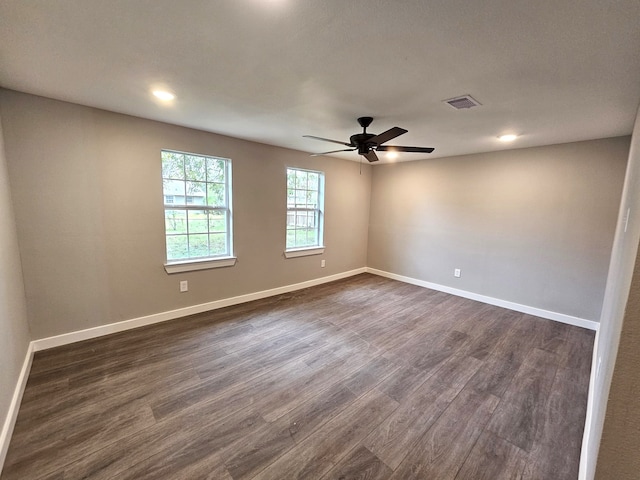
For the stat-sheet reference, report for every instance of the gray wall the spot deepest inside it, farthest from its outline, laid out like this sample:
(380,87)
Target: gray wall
(531,226)
(622,416)
(87,190)
(14,333)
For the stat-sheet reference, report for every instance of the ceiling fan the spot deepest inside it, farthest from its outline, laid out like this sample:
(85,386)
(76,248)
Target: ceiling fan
(367,144)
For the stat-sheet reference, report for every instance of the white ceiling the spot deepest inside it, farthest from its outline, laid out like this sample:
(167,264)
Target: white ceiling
(271,71)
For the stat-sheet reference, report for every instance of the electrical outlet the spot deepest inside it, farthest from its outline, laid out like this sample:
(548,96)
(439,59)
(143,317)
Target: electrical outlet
(184,286)
(322,263)
(457,272)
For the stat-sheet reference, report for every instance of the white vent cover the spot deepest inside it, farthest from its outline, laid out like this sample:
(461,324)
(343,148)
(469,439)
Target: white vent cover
(465,101)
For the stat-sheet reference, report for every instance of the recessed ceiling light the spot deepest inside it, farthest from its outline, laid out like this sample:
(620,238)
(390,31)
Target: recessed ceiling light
(163,95)
(507,138)
(391,155)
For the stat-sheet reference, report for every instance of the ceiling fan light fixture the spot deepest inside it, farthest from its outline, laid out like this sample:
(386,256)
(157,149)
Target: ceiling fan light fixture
(392,155)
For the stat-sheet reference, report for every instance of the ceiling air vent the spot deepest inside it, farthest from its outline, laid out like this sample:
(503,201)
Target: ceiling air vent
(465,101)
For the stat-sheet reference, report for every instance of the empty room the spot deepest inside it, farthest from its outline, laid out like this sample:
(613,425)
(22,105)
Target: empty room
(273,239)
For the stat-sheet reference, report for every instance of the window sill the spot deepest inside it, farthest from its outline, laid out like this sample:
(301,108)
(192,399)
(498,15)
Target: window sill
(205,264)
(303,252)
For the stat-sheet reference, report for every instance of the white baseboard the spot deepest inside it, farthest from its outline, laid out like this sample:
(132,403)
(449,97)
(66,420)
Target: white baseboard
(14,406)
(102,330)
(538,312)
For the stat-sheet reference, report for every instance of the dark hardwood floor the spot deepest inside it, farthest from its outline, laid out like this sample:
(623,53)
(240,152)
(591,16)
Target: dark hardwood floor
(363,378)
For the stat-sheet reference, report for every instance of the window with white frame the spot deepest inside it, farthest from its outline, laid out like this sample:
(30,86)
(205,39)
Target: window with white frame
(305,205)
(197,206)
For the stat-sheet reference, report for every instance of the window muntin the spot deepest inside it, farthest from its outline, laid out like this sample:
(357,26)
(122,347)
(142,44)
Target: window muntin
(305,205)
(197,206)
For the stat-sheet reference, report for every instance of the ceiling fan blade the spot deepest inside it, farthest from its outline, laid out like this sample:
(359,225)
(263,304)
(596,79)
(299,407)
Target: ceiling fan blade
(333,151)
(394,148)
(388,135)
(328,140)
(371,156)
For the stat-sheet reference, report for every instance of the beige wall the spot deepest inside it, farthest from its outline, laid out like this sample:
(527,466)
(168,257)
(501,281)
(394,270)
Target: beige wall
(14,333)
(87,190)
(532,226)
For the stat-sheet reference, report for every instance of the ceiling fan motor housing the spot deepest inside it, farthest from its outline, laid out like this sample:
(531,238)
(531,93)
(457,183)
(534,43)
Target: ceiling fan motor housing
(360,140)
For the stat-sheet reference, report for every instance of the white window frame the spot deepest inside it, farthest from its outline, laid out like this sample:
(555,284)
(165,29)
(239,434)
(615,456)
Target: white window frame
(202,263)
(319,214)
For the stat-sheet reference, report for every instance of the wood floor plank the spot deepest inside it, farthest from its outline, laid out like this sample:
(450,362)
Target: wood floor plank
(86,412)
(78,441)
(485,330)
(162,438)
(404,382)
(359,464)
(517,342)
(493,458)
(364,377)
(442,450)
(439,351)
(370,375)
(391,440)
(248,457)
(521,414)
(235,375)
(495,375)
(324,375)
(199,444)
(315,456)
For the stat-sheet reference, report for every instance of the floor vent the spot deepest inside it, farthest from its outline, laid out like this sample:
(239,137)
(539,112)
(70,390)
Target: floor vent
(465,101)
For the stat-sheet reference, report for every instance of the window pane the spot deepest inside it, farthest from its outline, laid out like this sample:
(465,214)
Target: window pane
(217,222)
(173,165)
(291,197)
(215,195)
(196,192)
(217,244)
(291,219)
(197,221)
(198,245)
(301,198)
(195,168)
(312,236)
(291,238)
(291,178)
(312,182)
(301,179)
(177,247)
(312,199)
(174,189)
(215,170)
(175,221)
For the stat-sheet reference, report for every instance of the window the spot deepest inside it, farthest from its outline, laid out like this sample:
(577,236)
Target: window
(305,204)
(197,208)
